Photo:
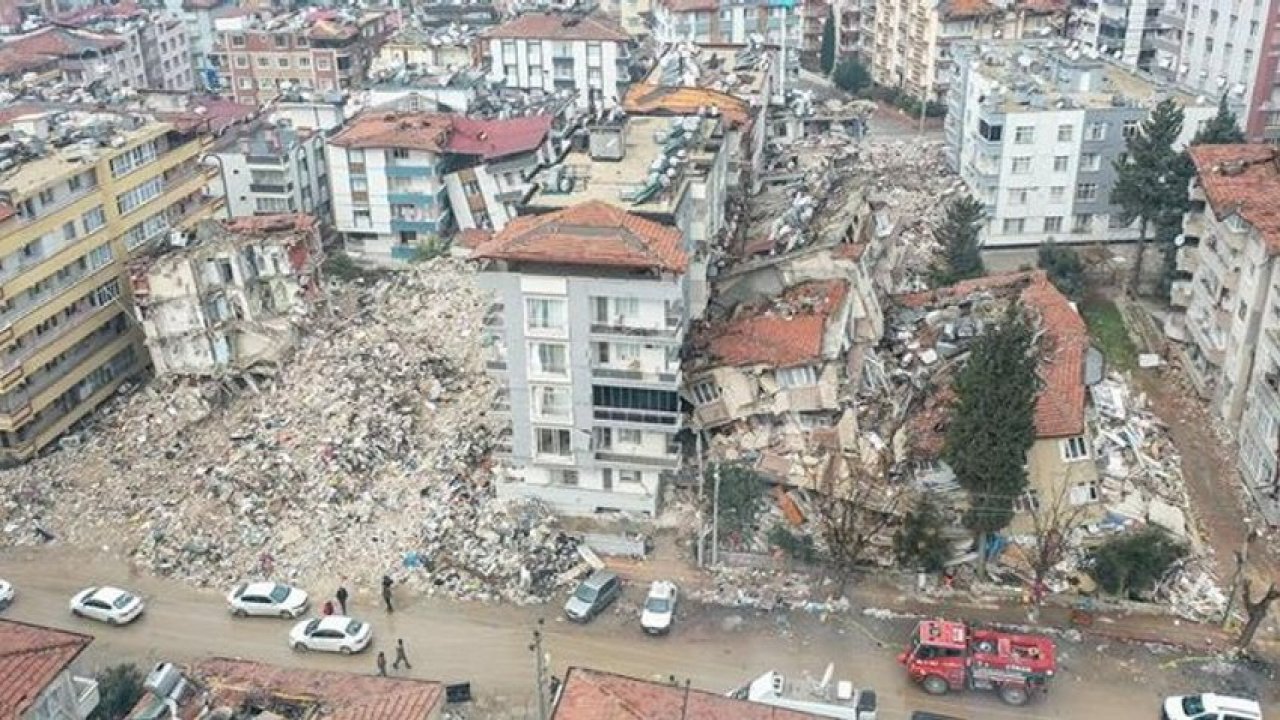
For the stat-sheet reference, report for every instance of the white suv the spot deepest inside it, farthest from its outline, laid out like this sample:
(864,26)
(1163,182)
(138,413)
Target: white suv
(1210,707)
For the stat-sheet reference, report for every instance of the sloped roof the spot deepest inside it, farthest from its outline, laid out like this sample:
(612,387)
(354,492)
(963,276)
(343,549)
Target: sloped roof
(591,233)
(783,331)
(497,138)
(48,44)
(558,26)
(1243,179)
(381,129)
(32,657)
(645,99)
(596,695)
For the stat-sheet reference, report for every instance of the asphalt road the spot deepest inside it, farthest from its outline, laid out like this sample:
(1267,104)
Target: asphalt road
(488,645)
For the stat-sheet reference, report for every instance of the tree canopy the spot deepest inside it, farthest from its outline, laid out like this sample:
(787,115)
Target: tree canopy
(851,76)
(1222,129)
(958,235)
(1064,268)
(741,497)
(827,54)
(919,543)
(1129,565)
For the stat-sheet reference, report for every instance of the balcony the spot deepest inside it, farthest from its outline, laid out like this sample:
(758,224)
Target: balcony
(272,188)
(632,331)
(86,695)
(628,416)
(409,171)
(265,159)
(411,198)
(38,350)
(647,461)
(637,375)
(1187,259)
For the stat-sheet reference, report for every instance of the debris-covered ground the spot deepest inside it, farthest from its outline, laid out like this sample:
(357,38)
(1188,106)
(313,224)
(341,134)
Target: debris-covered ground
(358,457)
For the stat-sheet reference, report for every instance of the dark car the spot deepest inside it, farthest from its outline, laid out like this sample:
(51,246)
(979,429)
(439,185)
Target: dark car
(593,595)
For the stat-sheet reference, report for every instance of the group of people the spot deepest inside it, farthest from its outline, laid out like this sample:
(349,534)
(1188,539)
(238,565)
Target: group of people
(342,595)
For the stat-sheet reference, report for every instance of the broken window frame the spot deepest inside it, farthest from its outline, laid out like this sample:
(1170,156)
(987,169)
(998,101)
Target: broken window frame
(704,392)
(1074,449)
(796,377)
(1085,493)
(1027,501)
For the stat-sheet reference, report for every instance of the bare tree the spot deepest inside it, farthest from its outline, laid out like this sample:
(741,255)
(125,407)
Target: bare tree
(858,503)
(1256,610)
(1052,520)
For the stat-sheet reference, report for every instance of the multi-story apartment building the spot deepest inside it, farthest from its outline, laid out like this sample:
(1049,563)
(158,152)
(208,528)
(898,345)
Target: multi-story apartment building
(1033,129)
(632,15)
(914,39)
(157,45)
(728,22)
(266,169)
(1231,48)
(198,17)
(587,329)
(855,25)
(72,216)
(561,51)
(77,57)
(491,167)
(1125,30)
(318,49)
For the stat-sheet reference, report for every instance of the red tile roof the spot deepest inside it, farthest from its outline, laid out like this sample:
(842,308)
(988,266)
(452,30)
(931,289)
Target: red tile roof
(596,695)
(473,238)
(1243,179)
(46,45)
(282,222)
(497,138)
(84,16)
(343,696)
(6,211)
(645,99)
(783,331)
(381,129)
(32,657)
(1060,405)
(209,113)
(691,5)
(558,26)
(593,233)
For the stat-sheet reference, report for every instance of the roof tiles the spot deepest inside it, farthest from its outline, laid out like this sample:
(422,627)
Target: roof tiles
(1243,179)
(380,129)
(31,658)
(784,332)
(558,26)
(645,99)
(593,233)
(497,138)
(596,695)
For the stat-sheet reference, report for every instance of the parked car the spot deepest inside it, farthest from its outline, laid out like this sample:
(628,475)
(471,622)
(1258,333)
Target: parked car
(107,604)
(593,595)
(6,594)
(267,598)
(1210,707)
(331,633)
(659,608)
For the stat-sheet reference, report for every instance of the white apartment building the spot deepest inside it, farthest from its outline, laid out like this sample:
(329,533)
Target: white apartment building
(912,40)
(553,52)
(727,22)
(1127,31)
(492,165)
(586,333)
(1033,129)
(267,169)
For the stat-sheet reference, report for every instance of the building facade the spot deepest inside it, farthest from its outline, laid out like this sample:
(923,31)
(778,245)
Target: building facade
(157,53)
(492,164)
(587,329)
(268,169)
(38,676)
(1034,130)
(72,218)
(1127,31)
(561,52)
(731,22)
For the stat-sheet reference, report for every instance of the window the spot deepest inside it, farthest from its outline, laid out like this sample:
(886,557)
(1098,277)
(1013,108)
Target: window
(241,61)
(1087,191)
(1097,131)
(1066,133)
(237,40)
(993,133)
(545,314)
(614,311)
(282,41)
(1084,493)
(1024,135)
(322,63)
(74,183)
(1061,163)
(246,83)
(133,159)
(629,476)
(1057,193)
(1082,223)
(69,230)
(129,201)
(1130,128)
(400,153)
(1028,501)
(1053,223)
(1074,448)
(263,61)
(1013,226)
(1021,165)
(99,257)
(554,441)
(1236,223)
(563,476)
(549,359)
(1090,162)
(93,220)
(705,392)
(303,62)
(282,62)
(552,402)
(1018,196)
(797,376)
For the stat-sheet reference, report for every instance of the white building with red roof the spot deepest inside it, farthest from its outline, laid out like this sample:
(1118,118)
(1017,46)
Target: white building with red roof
(36,673)
(590,314)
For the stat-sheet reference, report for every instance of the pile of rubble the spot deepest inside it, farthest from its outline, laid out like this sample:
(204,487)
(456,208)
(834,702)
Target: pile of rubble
(767,589)
(360,456)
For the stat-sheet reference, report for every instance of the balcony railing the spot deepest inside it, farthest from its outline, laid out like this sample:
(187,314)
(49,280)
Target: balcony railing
(278,188)
(661,461)
(632,331)
(636,416)
(636,375)
(87,698)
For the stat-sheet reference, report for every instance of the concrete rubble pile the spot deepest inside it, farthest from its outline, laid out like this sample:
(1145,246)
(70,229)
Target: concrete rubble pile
(360,450)
(767,589)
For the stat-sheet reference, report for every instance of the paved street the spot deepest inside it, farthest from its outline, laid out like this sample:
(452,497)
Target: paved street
(488,645)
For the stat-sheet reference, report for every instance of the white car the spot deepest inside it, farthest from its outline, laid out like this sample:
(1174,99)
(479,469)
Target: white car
(6,594)
(267,598)
(107,604)
(659,607)
(1210,707)
(331,633)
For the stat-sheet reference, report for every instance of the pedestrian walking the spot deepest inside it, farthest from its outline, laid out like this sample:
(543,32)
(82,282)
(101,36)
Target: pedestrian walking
(342,598)
(401,657)
(382,663)
(328,607)
(386,591)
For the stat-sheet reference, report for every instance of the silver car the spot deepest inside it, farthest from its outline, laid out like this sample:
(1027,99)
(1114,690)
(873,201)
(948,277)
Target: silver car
(592,596)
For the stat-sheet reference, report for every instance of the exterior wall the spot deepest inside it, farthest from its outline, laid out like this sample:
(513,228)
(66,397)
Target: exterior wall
(67,697)
(604,475)
(400,54)
(630,14)
(168,55)
(1259,431)
(486,196)
(403,203)
(1126,30)
(733,24)
(593,69)
(292,181)
(1050,475)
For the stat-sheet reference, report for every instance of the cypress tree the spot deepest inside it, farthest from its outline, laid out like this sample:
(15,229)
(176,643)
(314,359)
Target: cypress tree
(958,235)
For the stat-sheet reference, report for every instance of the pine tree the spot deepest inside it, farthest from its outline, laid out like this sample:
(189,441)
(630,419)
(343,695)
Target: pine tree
(1063,266)
(827,55)
(992,424)
(1222,129)
(1151,179)
(958,235)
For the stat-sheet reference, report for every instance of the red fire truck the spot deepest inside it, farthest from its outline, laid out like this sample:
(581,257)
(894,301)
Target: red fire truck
(949,656)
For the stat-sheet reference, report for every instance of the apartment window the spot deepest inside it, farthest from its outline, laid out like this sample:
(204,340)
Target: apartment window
(1236,223)
(129,201)
(400,153)
(1087,191)
(1066,133)
(322,63)
(133,159)
(69,230)
(1130,128)
(797,377)
(362,217)
(1084,493)
(630,437)
(99,257)
(1028,501)
(705,391)
(282,41)
(554,441)
(1057,193)
(593,53)
(93,220)
(303,62)
(1053,223)
(545,314)
(1061,163)
(564,476)
(1082,223)
(1090,162)
(1024,135)
(552,402)
(240,61)
(1097,131)
(1074,448)
(270,205)
(282,62)
(1018,196)
(993,133)
(245,83)
(74,183)
(549,359)
(1013,226)
(614,311)
(594,79)
(266,84)
(1021,165)
(263,61)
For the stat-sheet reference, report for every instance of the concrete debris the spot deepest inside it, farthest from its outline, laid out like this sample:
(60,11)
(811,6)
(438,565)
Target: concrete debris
(768,589)
(365,453)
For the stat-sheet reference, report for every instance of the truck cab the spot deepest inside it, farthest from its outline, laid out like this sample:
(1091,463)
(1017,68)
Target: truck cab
(946,656)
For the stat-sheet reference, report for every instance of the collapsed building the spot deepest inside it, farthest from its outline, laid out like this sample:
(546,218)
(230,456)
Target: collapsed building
(228,296)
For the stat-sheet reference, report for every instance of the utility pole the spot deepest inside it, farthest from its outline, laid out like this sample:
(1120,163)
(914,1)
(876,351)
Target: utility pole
(924,105)
(1242,557)
(540,670)
(715,518)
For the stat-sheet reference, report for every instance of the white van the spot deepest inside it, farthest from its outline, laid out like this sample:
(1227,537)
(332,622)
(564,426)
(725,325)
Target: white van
(1210,707)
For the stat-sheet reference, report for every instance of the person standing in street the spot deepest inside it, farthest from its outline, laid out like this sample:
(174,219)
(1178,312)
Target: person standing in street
(386,591)
(382,664)
(342,598)
(401,657)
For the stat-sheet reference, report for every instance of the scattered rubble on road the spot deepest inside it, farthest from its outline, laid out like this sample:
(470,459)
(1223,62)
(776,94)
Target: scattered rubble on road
(360,456)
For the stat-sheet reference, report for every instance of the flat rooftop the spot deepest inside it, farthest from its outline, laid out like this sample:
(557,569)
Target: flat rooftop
(740,70)
(92,135)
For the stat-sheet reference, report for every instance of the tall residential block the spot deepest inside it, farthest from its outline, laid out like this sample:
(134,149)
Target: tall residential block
(587,54)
